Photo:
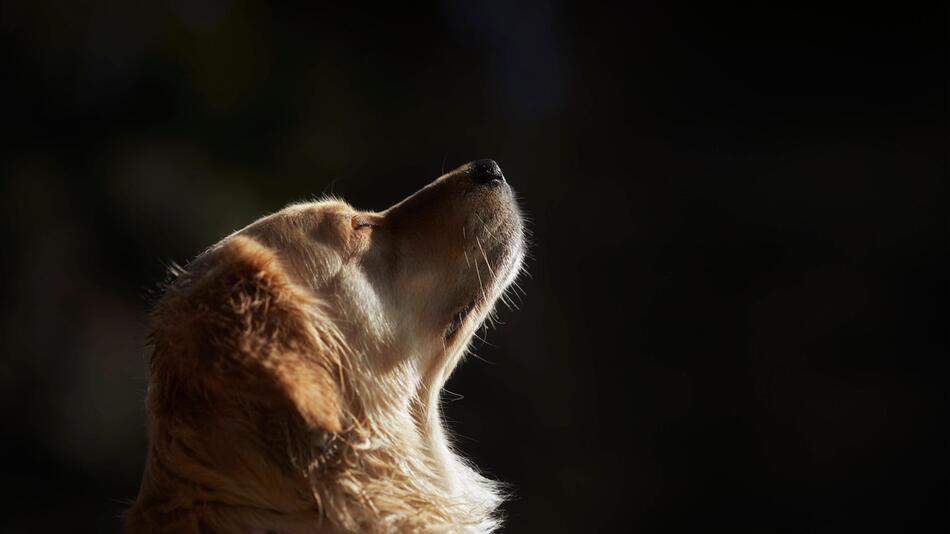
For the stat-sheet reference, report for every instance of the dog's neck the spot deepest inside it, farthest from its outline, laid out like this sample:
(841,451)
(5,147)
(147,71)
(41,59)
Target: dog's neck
(428,484)
(336,482)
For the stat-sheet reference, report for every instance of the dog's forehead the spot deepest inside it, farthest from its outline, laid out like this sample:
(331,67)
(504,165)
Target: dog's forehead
(322,222)
(317,207)
(310,239)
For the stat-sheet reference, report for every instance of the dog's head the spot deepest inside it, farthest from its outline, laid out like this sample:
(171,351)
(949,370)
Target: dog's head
(331,311)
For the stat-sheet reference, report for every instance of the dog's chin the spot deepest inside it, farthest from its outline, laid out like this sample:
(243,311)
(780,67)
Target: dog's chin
(467,318)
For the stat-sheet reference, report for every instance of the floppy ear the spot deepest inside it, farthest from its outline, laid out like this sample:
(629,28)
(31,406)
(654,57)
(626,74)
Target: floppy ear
(237,329)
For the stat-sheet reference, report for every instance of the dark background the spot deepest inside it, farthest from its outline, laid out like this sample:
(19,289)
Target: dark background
(736,311)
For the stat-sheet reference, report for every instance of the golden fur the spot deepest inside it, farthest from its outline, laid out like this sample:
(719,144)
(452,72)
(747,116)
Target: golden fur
(296,368)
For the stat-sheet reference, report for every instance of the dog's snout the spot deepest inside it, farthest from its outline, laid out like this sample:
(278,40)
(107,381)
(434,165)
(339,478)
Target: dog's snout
(486,172)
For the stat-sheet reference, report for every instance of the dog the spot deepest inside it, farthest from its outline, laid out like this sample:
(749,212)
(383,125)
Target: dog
(296,367)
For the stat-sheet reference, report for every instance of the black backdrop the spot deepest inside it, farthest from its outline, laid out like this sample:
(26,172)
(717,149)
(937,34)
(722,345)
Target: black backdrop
(736,310)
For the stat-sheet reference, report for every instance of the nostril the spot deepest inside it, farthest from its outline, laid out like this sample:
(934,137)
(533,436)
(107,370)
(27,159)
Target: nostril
(486,171)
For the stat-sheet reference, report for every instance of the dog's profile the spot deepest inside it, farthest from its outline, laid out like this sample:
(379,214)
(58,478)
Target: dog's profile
(296,367)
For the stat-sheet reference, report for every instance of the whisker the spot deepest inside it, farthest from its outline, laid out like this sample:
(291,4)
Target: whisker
(485,226)
(487,263)
(481,286)
(477,357)
(455,396)
(483,340)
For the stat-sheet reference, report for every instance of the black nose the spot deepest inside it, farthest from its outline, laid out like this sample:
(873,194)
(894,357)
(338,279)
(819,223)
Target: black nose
(486,172)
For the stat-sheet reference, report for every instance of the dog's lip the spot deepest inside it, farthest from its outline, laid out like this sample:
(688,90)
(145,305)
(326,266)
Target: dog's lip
(460,317)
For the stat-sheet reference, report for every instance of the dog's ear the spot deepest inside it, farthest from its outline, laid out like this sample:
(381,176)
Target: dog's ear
(238,329)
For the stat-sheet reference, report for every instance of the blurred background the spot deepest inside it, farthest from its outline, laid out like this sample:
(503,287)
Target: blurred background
(736,311)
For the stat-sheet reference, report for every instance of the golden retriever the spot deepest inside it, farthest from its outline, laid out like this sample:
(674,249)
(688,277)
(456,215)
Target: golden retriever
(296,367)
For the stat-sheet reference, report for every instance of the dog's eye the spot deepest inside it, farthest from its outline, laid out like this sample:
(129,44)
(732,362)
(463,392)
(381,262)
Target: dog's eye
(363,221)
(360,223)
